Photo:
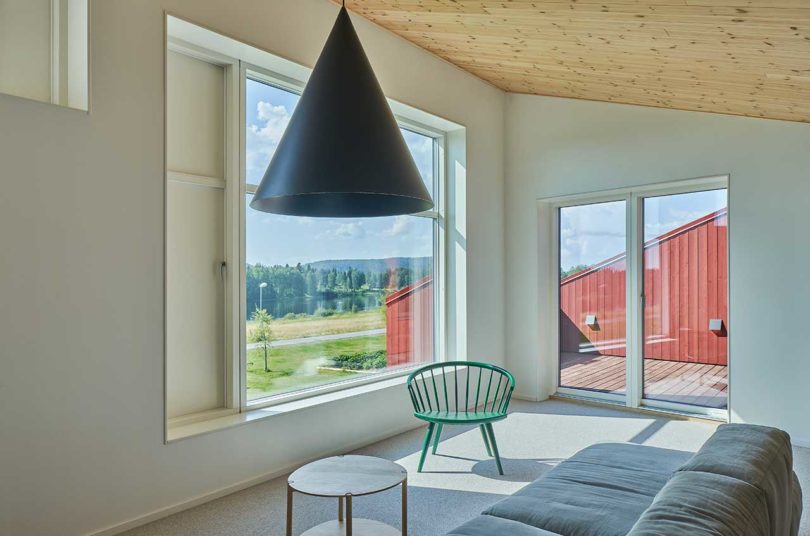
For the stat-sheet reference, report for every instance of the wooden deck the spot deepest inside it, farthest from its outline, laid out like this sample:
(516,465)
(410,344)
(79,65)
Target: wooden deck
(670,381)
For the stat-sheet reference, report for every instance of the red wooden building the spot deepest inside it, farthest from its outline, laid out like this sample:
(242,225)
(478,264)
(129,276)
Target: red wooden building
(409,324)
(685,285)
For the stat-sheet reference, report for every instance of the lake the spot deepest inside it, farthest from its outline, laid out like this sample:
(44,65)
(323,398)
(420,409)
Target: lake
(306,305)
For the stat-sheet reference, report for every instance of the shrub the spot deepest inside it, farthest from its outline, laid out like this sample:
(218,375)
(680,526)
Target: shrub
(325,312)
(361,360)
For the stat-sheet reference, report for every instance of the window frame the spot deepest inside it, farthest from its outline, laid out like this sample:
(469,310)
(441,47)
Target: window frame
(250,71)
(227,182)
(634,198)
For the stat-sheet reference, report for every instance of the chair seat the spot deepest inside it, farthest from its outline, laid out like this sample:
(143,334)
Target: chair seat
(460,417)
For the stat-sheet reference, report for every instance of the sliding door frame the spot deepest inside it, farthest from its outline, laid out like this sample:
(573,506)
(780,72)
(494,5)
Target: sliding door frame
(634,310)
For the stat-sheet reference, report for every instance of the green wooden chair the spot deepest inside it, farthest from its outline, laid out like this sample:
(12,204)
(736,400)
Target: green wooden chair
(481,399)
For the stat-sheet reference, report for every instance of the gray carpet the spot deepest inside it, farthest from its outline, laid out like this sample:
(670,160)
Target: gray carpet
(460,480)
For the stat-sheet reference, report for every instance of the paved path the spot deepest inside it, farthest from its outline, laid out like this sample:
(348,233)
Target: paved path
(319,338)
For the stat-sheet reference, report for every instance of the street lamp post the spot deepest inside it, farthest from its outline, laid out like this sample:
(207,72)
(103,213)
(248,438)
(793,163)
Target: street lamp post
(261,289)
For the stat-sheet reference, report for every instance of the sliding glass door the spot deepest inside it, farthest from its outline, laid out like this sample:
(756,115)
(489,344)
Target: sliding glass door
(593,340)
(685,298)
(643,296)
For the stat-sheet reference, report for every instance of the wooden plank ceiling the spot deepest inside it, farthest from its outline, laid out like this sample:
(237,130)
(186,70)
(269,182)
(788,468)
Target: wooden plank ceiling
(741,57)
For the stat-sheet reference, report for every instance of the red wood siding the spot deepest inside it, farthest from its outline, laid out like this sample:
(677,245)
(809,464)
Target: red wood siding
(409,324)
(685,283)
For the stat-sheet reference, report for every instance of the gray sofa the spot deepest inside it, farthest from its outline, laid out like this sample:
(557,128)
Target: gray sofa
(740,483)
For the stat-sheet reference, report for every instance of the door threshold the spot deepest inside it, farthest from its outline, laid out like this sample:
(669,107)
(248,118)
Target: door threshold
(655,412)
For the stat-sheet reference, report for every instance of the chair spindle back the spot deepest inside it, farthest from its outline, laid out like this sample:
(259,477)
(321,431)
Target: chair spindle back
(486,388)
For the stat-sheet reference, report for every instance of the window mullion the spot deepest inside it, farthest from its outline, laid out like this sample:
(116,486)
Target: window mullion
(241,315)
(634,311)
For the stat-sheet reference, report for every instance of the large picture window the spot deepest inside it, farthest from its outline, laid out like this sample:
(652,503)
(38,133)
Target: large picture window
(331,300)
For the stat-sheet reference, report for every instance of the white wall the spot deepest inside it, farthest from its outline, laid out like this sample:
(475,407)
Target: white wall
(81,234)
(559,146)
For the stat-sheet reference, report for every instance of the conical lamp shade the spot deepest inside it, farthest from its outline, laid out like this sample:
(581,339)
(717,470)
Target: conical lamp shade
(342,154)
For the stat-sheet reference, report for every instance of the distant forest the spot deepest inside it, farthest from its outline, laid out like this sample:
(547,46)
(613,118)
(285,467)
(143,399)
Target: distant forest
(333,278)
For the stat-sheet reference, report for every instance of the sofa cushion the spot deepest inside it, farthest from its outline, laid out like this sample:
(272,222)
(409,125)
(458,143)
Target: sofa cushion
(496,526)
(601,491)
(760,456)
(705,504)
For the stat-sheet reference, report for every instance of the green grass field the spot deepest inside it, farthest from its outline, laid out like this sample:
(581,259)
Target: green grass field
(295,367)
(311,326)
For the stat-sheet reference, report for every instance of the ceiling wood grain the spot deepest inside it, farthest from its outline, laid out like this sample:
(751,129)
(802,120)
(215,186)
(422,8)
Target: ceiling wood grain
(740,57)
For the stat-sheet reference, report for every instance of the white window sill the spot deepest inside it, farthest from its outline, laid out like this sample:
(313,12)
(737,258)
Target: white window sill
(213,421)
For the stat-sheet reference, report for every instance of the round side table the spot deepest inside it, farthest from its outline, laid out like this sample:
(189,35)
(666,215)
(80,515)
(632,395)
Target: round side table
(345,477)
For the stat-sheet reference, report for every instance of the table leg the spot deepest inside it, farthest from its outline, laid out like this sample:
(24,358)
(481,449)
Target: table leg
(340,508)
(349,515)
(289,509)
(405,507)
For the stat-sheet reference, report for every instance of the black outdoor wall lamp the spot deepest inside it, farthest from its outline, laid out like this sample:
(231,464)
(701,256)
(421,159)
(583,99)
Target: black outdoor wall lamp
(342,154)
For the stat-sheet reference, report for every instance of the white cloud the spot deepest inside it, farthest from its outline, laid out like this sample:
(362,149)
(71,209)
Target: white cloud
(665,213)
(267,112)
(263,138)
(591,233)
(345,231)
(350,230)
(277,219)
(401,225)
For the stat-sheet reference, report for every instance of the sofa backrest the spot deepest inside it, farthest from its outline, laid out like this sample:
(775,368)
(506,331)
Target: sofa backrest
(741,482)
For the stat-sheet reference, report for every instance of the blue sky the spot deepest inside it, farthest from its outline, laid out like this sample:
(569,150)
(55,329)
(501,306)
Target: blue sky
(588,233)
(275,239)
(592,233)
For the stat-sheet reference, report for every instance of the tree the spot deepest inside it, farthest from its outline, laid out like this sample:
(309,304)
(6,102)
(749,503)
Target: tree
(312,283)
(261,332)
(351,279)
(401,278)
(573,270)
(340,280)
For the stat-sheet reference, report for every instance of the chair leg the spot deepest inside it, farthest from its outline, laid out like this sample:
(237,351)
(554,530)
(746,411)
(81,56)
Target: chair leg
(494,446)
(425,446)
(486,439)
(436,436)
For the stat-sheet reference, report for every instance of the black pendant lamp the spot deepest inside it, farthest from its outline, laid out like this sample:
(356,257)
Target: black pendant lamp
(342,154)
